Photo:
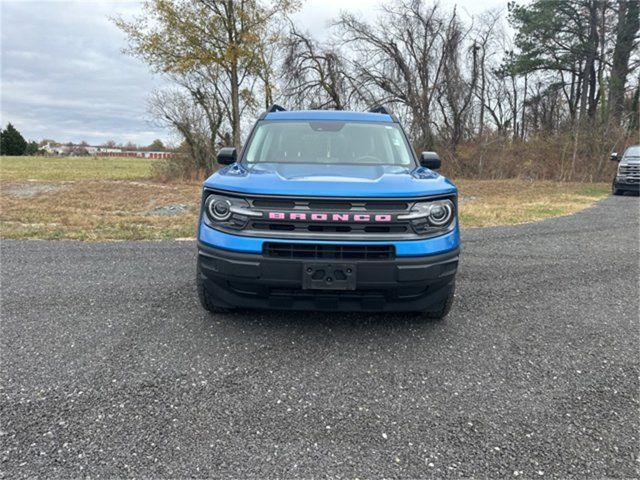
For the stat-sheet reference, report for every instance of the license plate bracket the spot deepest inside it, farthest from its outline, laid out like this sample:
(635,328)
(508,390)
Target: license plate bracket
(329,276)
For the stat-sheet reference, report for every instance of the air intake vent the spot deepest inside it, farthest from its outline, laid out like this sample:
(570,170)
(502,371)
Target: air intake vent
(329,252)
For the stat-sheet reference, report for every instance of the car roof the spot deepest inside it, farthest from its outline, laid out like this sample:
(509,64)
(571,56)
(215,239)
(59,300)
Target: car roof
(337,115)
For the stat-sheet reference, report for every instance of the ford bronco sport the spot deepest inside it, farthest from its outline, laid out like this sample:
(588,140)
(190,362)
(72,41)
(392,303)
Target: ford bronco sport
(328,210)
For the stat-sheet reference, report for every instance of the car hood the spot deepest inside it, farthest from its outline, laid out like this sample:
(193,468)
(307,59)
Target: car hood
(330,180)
(630,161)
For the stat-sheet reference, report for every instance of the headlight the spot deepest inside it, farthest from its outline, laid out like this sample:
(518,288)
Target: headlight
(430,216)
(219,209)
(227,212)
(440,213)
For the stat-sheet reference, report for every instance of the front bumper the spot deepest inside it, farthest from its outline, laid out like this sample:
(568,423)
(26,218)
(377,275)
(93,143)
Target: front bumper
(237,279)
(624,183)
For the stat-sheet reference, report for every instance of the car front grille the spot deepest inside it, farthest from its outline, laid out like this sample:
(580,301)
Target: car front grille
(328,252)
(332,229)
(300,228)
(329,228)
(631,171)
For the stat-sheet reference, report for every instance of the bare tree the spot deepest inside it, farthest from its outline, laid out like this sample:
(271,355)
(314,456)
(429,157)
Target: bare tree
(456,92)
(317,75)
(175,109)
(400,59)
(486,46)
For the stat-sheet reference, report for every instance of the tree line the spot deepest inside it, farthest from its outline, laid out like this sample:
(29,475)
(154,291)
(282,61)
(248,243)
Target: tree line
(12,143)
(545,90)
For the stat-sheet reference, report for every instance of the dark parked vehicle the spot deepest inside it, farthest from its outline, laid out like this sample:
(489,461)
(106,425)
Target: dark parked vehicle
(627,177)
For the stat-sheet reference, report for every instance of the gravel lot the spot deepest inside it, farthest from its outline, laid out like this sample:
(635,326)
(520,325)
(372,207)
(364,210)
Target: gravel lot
(110,368)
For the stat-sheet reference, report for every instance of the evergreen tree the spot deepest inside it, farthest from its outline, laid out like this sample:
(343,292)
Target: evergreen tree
(156,146)
(12,142)
(561,37)
(32,148)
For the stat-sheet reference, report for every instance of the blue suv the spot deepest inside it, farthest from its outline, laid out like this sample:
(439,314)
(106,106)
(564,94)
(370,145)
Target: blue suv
(328,210)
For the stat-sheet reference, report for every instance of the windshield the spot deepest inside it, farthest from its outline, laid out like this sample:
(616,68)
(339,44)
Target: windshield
(632,152)
(328,142)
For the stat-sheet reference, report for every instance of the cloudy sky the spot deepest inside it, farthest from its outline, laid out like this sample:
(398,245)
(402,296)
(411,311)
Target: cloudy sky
(63,75)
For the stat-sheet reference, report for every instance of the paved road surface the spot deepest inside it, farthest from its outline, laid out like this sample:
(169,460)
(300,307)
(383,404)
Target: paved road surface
(110,368)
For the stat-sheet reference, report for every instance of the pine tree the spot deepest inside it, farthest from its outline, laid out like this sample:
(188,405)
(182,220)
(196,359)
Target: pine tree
(32,148)
(12,142)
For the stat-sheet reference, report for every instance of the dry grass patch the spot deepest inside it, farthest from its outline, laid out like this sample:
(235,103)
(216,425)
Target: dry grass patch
(509,202)
(104,210)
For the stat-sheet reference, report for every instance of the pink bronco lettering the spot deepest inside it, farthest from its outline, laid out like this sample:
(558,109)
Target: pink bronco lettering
(330,217)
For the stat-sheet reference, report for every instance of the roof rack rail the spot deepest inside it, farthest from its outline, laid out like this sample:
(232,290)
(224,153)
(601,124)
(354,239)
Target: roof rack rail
(276,108)
(380,109)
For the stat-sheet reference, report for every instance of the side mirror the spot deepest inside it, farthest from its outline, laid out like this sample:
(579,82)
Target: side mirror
(430,160)
(227,156)
(614,157)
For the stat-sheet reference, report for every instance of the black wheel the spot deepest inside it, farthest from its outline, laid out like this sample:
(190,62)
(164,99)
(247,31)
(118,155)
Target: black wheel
(205,297)
(443,308)
(616,191)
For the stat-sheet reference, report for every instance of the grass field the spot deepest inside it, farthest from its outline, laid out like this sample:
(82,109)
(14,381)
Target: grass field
(74,168)
(116,199)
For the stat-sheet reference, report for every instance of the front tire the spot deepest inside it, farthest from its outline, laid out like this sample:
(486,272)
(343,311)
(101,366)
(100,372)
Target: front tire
(443,307)
(616,191)
(205,297)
